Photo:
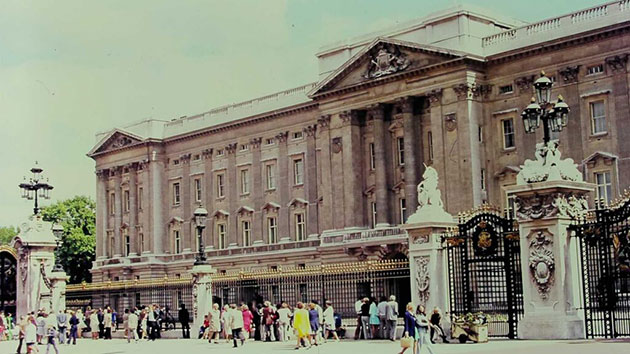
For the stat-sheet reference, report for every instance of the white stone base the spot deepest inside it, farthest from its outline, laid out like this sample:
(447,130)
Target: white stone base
(551,326)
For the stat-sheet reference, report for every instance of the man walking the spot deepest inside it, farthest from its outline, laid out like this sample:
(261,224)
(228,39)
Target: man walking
(236,323)
(392,317)
(184,319)
(382,316)
(62,320)
(132,327)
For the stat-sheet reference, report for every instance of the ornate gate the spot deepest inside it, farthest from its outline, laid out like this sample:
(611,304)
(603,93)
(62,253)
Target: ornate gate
(485,270)
(8,285)
(605,251)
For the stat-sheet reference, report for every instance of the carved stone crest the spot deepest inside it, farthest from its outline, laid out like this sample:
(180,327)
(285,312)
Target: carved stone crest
(572,206)
(536,206)
(422,279)
(420,239)
(570,73)
(121,141)
(387,60)
(541,262)
(337,145)
(450,121)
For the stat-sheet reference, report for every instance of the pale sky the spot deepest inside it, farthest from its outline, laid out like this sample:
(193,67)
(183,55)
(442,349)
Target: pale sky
(69,69)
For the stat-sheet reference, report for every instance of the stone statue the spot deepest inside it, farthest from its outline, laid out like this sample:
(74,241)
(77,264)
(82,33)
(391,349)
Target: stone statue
(548,166)
(430,206)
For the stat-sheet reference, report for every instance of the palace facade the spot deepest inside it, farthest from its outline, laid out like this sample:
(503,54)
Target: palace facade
(325,173)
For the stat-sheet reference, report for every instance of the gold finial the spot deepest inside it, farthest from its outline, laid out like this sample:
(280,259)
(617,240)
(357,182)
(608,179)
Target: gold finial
(533,100)
(542,73)
(560,98)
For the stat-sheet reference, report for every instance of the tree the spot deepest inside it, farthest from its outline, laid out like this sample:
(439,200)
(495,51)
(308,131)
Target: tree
(77,216)
(6,234)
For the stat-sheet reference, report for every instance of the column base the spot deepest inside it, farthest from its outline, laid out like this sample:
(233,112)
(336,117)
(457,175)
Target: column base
(551,326)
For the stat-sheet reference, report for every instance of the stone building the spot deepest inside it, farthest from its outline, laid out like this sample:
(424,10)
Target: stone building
(327,171)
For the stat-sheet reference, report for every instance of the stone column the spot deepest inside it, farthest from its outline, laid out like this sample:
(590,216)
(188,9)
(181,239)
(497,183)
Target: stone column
(232,196)
(284,185)
(101,213)
(186,203)
(322,143)
(257,191)
(551,274)
(411,130)
(118,248)
(133,208)
(209,195)
(202,292)
(158,223)
(380,171)
(58,282)
(310,165)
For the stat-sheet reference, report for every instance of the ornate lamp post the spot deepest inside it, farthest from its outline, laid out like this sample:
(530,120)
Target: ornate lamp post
(58,232)
(554,115)
(36,187)
(200,215)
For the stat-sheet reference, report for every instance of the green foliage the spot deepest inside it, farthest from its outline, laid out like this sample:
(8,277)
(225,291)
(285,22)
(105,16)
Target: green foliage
(78,218)
(7,234)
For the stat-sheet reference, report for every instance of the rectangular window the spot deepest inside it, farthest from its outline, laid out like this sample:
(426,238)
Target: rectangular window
(430,143)
(269,141)
(176,194)
(141,243)
(127,241)
(595,69)
(480,133)
(247,233)
(140,196)
(508,133)
(510,201)
(400,143)
(221,235)
(506,89)
(372,158)
(220,185)
(198,191)
(244,181)
(598,117)
(112,246)
(403,210)
(126,201)
(112,203)
(244,147)
(271,176)
(177,242)
(297,135)
(196,157)
(298,172)
(604,187)
(300,227)
(373,212)
(220,152)
(175,162)
(483,179)
(272,229)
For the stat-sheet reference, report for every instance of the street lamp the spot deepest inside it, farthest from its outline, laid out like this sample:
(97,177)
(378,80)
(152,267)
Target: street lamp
(58,232)
(200,215)
(554,115)
(36,187)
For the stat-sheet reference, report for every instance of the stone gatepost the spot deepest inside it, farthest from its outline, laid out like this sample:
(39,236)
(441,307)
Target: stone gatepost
(427,257)
(550,258)
(58,282)
(201,292)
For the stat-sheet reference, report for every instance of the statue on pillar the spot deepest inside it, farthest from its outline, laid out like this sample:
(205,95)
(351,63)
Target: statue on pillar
(548,166)
(430,206)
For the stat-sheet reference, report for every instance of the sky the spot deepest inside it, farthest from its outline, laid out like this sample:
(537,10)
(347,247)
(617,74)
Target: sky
(70,69)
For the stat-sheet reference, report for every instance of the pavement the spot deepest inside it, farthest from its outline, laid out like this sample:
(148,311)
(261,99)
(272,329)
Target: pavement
(180,346)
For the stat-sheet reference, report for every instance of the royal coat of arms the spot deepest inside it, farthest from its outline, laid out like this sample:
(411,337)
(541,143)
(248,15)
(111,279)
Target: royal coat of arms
(386,61)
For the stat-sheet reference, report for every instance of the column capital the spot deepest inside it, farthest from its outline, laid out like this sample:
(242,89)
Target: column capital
(231,148)
(435,96)
(349,117)
(282,137)
(207,153)
(310,130)
(405,104)
(255,143)
(116,171)
(102,174)
(323,121)
(376,111)
(185,158)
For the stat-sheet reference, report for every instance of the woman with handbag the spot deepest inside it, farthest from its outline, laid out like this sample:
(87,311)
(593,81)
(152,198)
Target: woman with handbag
(408,339)
(423,325)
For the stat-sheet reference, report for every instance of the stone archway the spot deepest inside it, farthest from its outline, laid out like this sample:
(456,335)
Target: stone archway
(8,279)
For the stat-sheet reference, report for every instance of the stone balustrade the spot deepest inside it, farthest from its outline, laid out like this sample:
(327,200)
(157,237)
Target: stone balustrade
(336,238)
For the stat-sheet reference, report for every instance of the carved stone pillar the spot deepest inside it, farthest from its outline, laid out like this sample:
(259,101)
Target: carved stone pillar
(186,203)
(322,143)
(257,191)
(354,200)
(549,266)
(284,185)
(412,130)
(118,248)
(133,208)
(232,195)
(311,182)
(158,223)
(209,196)
(101,213)
(201,292)
(380,172)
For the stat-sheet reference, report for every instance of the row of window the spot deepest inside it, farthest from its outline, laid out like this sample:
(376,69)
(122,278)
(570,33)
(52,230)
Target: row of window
(126,243)
(126,202)
(590,70)
(400,153)
(402,212)
(246,232)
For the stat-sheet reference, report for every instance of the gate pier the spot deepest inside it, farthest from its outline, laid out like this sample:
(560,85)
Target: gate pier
(550,267)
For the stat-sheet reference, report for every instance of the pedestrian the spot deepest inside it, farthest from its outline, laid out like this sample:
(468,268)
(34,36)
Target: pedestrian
(94,324)
(422,334)
(74,328)
(21,327)
(30,334)
(184,319)
(374,320)
(382,316)
(101,323)
(410,329)
(132,327)
(365,318)
(284,321)
(214,324)
(41,327)
(51,332)
(392,317)
(82,324)
(329,322)
(257,307)
(114,321)
(236,324)
(268,320)
(301,325)
(150,323)
(436,318)
(357,308)
(248,317)
(107,324)
(144,323)
(226,322)
(313,316)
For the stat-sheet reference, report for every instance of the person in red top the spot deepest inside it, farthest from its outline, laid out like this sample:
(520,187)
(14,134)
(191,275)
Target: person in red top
(203,331)
(268,319)
(248,317)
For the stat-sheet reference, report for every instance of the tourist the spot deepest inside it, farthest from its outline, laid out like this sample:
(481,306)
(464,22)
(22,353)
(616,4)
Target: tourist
(74,328)
(248,317)
(268,320)
(41,327)
(132,327)
(114,325)
(284,321)
(357,308)
(340,328)
(82,324)
(107,323)
(236,324)
(10,326)
(151,323)
(410,328)
(226,322)
(313,316)
(301,325)
(365,318)
(374,320)
(62,319)
(422,334)
(94,324)
(257,307)
(101,323)
(436,318)
(214,324)
(144,323)
(184,319)
(392,317)
(2,326)
(382,316)
(51,332)
(329,322)
(30,334)
(21,327)
(320,316)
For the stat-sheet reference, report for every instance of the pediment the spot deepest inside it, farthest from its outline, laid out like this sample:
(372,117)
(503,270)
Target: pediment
(381,59)
(607,157)
(116,139)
